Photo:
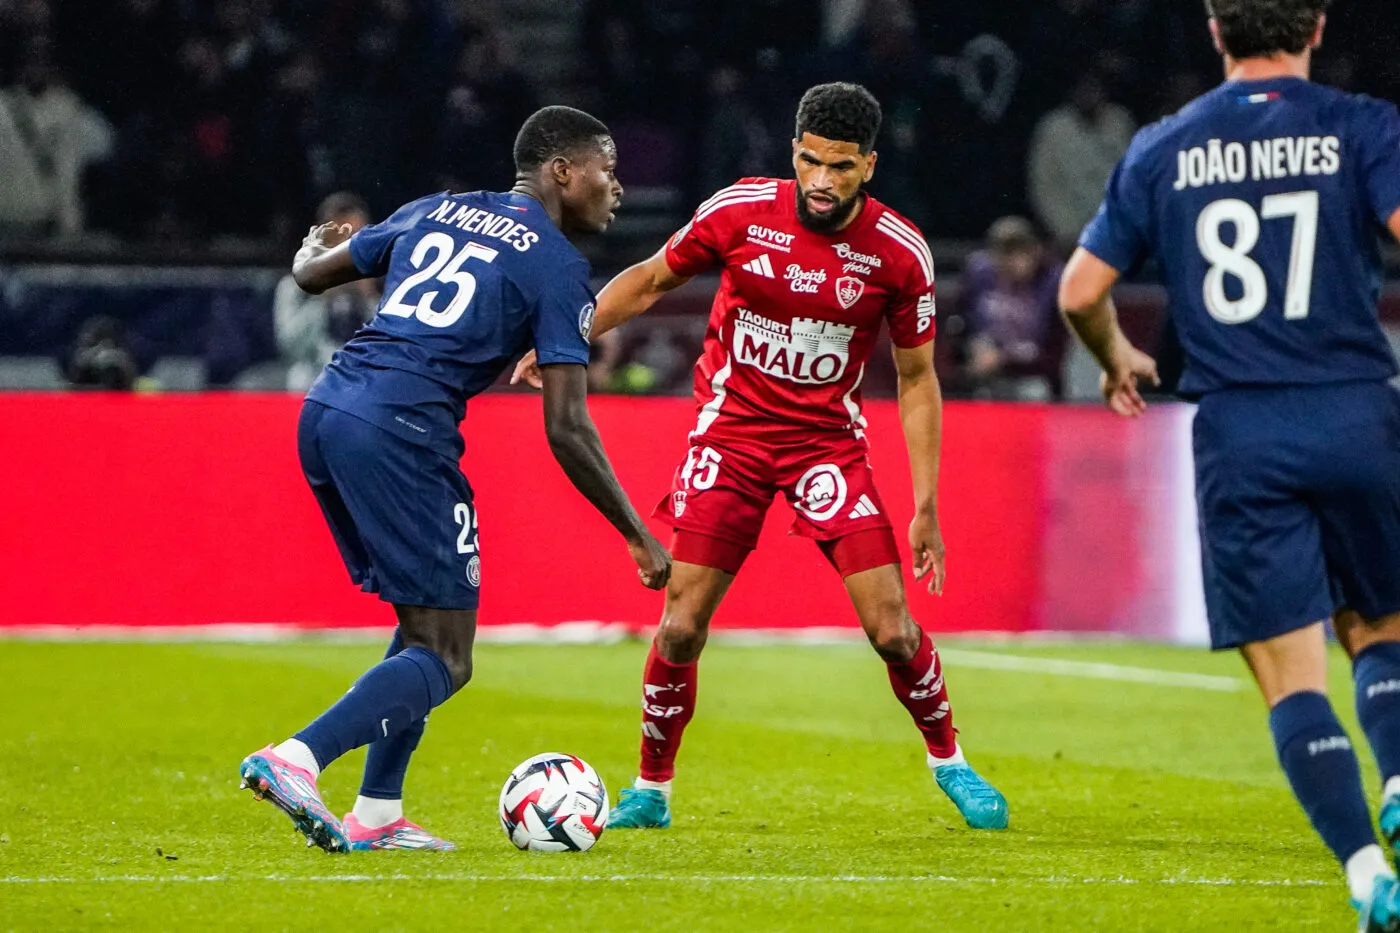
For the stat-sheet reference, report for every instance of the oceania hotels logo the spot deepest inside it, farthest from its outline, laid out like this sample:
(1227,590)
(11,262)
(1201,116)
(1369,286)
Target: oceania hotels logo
(856,263)
(845,252)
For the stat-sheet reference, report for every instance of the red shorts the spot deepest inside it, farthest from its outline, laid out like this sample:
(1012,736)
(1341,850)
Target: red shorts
(722,491)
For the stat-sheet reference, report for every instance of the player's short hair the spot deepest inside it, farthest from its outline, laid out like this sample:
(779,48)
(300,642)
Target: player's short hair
(339,204)
(1259,28)
(555,131)
(841,111)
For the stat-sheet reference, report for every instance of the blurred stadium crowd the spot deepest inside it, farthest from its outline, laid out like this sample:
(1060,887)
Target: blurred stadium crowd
(211,131)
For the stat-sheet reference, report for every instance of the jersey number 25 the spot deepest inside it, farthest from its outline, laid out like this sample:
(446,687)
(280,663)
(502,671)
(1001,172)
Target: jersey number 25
(447,268)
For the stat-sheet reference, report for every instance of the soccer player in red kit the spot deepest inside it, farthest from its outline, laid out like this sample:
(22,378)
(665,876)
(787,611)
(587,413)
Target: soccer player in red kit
(811,267)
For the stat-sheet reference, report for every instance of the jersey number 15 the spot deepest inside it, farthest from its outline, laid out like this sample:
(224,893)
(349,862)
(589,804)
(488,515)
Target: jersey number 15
(447,268)
(1234,258)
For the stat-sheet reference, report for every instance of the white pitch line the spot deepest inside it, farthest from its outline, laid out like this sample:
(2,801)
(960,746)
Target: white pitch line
(668,879)
(988,660)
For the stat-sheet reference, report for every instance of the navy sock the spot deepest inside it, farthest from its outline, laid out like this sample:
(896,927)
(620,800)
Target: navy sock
(1321,766)
(1376,672)
(387,699)
(386,762)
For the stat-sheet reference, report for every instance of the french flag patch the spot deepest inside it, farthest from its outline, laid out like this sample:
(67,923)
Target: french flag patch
(1260,98)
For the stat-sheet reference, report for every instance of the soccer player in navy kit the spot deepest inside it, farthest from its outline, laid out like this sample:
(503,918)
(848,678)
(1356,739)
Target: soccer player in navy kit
(1263,202)
(472,281)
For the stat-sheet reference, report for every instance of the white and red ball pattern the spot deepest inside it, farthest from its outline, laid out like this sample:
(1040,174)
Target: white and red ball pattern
(554,803)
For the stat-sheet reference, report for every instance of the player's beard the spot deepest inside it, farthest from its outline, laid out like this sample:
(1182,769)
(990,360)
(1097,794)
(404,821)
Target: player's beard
(832,220)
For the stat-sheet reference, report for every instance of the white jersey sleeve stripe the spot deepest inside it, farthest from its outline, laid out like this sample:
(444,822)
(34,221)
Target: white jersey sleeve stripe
(911,242)
(738,189)
(704,212)
(896,224)
(911,239)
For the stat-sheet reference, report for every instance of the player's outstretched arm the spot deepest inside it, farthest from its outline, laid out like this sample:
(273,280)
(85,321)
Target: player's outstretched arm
(1087,304)
(632,291)
(921,413)
(575,444)
(319,265)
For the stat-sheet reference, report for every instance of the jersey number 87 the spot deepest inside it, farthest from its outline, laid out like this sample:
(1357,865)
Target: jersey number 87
(1234,258)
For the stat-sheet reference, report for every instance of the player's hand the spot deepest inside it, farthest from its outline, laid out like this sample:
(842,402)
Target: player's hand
(926,542)
(318,240)
(653,562)
(1120,385)
(528,369)
(326,235)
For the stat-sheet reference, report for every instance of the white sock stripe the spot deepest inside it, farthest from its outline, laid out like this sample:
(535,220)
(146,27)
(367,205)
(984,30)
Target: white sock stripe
(915,246)
(752,188)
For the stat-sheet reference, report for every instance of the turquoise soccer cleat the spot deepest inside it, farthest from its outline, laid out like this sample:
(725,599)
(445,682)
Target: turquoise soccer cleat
(293,791)
(1381,911)
(640,809)
(1390,822)
(981,804)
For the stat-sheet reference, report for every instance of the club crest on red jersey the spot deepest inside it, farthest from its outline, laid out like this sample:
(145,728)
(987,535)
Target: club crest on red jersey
(821,492)
(848,290)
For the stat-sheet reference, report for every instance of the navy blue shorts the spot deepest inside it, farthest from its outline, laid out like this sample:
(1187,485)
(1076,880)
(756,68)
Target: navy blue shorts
(1298,490)
(402,514)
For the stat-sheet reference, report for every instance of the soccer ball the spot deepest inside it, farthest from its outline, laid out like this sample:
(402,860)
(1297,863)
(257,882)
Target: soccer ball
(554,803)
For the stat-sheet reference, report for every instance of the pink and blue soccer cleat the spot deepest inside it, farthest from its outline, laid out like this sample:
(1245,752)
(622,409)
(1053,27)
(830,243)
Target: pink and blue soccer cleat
(293,790)
(400,834)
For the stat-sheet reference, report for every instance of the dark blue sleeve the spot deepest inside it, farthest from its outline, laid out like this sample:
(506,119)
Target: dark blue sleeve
(563,315)
(1378,135)
(1119,234)
(372,246)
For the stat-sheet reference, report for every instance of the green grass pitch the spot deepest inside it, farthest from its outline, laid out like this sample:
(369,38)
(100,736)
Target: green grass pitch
(802,801)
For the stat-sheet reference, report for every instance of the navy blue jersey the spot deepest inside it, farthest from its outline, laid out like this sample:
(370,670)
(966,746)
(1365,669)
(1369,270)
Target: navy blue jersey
(471,281)
(1264,203)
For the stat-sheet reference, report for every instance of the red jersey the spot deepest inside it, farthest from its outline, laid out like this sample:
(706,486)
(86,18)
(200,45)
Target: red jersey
(797,311)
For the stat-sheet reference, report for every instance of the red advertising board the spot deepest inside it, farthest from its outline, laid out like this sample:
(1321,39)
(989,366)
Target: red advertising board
(166,510)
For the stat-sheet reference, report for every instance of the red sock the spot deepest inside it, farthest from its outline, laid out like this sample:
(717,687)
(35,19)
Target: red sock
(668,702)
(919,685)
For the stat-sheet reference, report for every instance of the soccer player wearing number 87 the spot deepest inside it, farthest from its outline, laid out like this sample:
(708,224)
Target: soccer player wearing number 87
(471,282)
(1262,202)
